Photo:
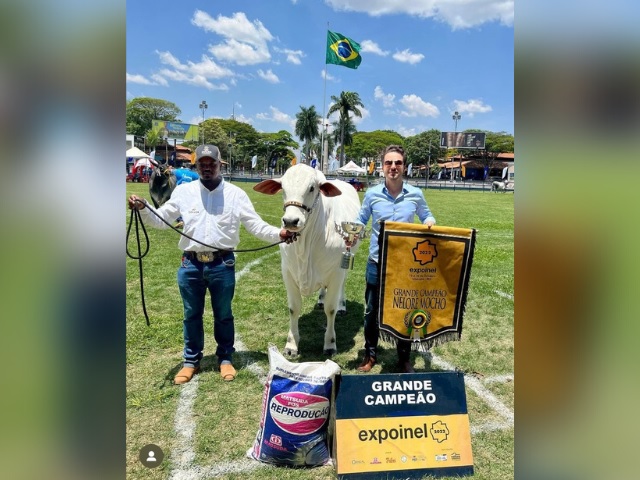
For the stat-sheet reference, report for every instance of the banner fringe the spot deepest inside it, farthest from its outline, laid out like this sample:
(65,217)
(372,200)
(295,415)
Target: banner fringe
(424,345)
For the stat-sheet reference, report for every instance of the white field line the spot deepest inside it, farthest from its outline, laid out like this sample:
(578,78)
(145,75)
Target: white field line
(503,294)
(183,453)
(479,389)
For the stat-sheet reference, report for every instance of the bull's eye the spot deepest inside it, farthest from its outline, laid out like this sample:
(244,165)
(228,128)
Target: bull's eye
(311,189)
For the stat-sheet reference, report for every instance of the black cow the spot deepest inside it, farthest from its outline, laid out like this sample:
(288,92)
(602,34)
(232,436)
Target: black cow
(161,183)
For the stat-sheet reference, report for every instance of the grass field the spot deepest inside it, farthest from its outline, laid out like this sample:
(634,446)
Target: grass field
(206,426)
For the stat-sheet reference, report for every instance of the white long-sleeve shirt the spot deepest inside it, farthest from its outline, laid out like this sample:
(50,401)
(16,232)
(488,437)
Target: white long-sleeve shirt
(212,217)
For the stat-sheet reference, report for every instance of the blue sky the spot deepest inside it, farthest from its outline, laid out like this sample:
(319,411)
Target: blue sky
(421,60)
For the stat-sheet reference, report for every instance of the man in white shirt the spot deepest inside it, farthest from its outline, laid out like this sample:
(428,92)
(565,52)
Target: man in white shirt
(212,211)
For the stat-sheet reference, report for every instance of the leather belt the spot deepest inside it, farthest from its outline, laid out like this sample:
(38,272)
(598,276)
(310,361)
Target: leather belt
(206,257)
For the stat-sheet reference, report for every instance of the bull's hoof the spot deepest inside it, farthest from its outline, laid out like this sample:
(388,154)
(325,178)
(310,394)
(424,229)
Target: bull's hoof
(290,352)
(319,306)
(330,352)
(342,312)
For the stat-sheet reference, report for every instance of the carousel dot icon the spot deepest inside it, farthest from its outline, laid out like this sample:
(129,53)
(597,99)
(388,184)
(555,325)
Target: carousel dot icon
(151,455)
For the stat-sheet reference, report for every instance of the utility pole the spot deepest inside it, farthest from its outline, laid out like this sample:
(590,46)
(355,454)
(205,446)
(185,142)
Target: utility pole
(203,106)
(456,116)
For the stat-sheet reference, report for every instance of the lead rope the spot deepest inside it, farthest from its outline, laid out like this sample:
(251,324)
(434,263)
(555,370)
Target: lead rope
(137,219)
(135,215)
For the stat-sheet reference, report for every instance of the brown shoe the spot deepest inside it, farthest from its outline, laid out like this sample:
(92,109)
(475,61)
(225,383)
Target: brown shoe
(227,372)
(405,367)
(185,375)
(367,364)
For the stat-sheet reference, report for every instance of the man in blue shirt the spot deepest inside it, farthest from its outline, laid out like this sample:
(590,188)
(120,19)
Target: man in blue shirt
(399,202)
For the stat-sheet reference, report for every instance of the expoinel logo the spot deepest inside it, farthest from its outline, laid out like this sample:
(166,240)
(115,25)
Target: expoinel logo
(425,252)
(299,413)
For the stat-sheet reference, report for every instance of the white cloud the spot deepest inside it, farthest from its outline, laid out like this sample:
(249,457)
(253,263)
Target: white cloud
(141,79)
(471,107)
(190,79)
(237,27)
(246,43)
(269,76)
(239,53)
(469,14)
(191,73)
(293,56)
(406,56)
(387,99)
(330,77)
(407,132)
(168,59)
(369,46)
(358,120)
(243,119)
(160,80)
(278,117)
(415,106)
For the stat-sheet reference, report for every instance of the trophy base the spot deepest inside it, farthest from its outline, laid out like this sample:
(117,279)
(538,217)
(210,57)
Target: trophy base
(347,260)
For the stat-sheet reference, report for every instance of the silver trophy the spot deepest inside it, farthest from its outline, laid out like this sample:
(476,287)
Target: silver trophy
(349,231)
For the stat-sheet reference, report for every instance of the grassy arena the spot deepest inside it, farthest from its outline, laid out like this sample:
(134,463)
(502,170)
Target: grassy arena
(226,414)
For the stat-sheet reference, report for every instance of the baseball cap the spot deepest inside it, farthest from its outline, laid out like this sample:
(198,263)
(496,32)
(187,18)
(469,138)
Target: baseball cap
(209,151)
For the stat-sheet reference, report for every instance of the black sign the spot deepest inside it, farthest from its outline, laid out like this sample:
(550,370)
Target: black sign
(462,140)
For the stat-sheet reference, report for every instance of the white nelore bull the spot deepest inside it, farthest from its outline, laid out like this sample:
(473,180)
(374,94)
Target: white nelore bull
(499,186)
(312,208)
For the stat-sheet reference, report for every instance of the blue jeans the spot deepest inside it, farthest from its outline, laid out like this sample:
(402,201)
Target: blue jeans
(194,279)
(372,306)
(371,329)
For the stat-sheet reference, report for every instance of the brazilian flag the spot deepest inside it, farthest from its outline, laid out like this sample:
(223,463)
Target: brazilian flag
(342,50)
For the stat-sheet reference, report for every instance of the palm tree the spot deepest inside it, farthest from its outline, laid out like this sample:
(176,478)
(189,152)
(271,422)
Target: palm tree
(152,139)
(345,103)
(344,128)
(307,125)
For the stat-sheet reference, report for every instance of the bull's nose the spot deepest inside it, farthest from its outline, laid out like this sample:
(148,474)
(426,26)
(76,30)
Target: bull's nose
(290,223)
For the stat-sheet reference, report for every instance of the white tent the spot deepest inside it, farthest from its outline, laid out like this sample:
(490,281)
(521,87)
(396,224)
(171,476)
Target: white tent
(135,153)
(351,167)
(144,162)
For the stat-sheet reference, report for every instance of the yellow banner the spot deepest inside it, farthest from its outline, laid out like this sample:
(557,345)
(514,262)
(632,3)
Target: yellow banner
(424,278)
(403,443)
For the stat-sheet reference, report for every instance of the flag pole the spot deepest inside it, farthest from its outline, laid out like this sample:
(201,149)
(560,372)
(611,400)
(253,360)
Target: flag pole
(324,107)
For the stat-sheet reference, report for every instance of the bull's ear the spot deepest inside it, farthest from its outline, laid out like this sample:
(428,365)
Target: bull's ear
(329,189)
(269,187)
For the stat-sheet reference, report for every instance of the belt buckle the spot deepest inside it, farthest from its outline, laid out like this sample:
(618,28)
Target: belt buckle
(205,257)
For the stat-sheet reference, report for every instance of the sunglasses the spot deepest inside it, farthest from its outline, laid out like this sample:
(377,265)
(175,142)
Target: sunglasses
(388,163)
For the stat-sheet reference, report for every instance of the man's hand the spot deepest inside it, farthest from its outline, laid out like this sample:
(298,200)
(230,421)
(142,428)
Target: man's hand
(287,236)
(136,203)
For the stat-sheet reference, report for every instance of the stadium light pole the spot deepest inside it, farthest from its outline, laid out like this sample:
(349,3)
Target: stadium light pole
(456,116)
(203,107)
(231,133)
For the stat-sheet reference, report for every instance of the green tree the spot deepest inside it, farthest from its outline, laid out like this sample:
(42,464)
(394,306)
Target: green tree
(214,135)
(152,139)
(371,144)
(424,149)
(499,142)
(142,111)
(343,131)
(275,145)
(307,126)
(241,141)
(344,104)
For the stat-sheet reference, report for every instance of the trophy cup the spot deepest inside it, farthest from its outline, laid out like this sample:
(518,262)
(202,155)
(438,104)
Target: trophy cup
(349,231)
